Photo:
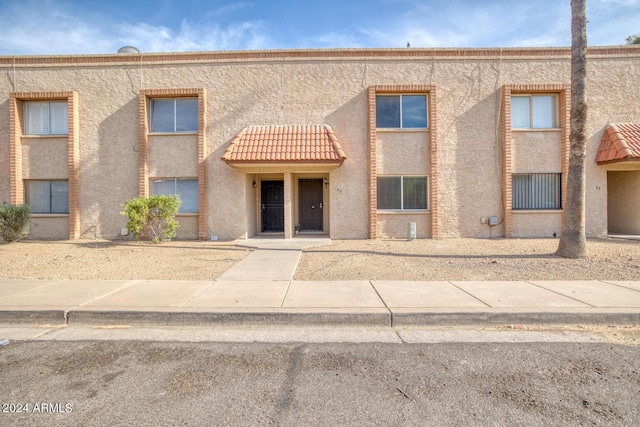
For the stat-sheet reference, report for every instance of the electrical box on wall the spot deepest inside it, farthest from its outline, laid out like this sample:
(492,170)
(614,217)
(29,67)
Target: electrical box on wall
(493,220)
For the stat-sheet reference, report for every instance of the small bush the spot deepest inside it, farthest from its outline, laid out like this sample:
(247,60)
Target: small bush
(152,218)
(15,222)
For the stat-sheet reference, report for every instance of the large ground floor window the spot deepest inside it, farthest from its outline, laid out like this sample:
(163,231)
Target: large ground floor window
(536,191)
(403,193)
(185,188)
(47,196)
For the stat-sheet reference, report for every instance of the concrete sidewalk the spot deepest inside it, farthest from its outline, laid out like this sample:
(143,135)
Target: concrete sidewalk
(260,290)
(286,302)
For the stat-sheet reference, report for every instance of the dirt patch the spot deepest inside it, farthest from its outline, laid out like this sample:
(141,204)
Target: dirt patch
(117,260)
(468,259)
(449,259)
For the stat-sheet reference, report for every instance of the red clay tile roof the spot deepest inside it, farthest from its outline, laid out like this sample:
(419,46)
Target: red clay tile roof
(620,142)
(288,144)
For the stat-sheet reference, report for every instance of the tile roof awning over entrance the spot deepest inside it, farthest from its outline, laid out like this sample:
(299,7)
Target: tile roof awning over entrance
(620,143)
(285,145)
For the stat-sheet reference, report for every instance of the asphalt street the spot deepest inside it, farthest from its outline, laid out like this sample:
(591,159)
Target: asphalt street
(131,382)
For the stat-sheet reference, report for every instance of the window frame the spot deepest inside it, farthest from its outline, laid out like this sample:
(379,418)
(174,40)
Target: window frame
(175,186)
(27,105)
(538,197)
(402,207)
(555,118)
(400,112)
(152,114)
(51,203)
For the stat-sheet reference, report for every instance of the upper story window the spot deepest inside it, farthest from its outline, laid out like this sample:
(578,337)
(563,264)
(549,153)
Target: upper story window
(401,111)
(47,197)
(534,112)
(174,115)
(185,188)
(46,118)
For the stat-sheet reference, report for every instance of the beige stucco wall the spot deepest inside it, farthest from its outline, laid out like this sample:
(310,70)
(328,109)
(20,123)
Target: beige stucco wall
(624,202)
(537,223)
(322,89)
(54,227)
(537,151)
(45,158)
(188,227)
(402,152)
(173,156)
(396,225)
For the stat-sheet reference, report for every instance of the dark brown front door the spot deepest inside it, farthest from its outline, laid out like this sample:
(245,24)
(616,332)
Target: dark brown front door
(272,205)
(311,205)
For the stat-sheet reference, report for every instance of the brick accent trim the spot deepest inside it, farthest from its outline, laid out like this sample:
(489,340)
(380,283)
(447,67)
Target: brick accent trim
(16,131)
(143,145)
(430,91)
(507,161)
(434,193)
(315,54)
(74,166)
(373,188)
(202,166)
(564,98)
(15,150)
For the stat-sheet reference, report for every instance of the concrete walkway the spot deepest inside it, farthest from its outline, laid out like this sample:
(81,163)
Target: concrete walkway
(260,291)
(274,259)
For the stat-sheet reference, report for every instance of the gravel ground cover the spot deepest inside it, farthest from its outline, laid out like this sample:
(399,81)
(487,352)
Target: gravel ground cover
(449,259)
(117,260)
(468,259)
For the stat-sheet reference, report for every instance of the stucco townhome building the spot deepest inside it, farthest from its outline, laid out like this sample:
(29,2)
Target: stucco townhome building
(351,143)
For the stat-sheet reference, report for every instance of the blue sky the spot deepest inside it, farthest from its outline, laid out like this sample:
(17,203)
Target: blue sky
(43,27)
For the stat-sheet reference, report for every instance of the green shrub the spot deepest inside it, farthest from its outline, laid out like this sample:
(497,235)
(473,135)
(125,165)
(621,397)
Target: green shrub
(15,222)
(152,218)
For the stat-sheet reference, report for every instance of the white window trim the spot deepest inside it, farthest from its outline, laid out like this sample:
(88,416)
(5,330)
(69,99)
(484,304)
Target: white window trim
(402,210)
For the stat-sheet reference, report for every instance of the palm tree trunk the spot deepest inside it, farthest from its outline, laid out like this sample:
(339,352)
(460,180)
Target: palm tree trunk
(573,243)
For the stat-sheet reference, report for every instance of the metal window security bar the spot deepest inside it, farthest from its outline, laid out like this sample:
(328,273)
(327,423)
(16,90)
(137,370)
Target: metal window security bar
(537,191)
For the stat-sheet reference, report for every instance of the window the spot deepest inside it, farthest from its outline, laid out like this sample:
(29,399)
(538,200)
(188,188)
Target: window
(402,192)
(534,112)
(48,197)
(185,188)
(174,115)
(46,118)
(401,111)
(536,191)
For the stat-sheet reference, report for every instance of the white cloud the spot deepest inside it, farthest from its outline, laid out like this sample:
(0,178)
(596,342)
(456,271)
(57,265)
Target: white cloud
(190,37)
(334,40)
(46,29)
(623,3)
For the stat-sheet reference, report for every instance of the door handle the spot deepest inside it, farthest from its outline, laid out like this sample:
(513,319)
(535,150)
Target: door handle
(320,205)
(313,206)
(263,206)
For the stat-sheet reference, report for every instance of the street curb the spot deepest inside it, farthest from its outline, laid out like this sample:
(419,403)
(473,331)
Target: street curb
(33,317)
(317,317)
(257,318)
(502,318)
